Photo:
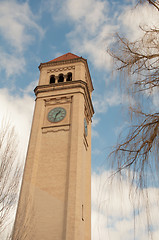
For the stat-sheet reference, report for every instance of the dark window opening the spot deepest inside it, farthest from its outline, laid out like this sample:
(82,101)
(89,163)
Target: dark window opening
(69,77)
(61,78)
(52,79)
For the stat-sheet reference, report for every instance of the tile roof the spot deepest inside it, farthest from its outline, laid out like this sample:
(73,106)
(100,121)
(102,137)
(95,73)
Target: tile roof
(64,57)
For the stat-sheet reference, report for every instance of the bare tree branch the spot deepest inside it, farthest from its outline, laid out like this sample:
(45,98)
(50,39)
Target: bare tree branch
(155,3)
(10,173)
(139,58)
(139,61)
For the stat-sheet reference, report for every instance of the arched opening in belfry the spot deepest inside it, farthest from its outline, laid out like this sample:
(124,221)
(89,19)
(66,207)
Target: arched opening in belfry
(69,76)
(52,79)
(61,78)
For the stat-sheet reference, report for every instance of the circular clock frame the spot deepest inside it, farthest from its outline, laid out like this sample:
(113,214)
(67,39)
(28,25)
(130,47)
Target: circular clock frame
(56,114)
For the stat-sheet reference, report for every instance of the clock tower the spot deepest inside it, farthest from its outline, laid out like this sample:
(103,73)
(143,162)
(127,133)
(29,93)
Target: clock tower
(55,198)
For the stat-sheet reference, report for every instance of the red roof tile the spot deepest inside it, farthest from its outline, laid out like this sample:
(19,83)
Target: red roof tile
(64,57)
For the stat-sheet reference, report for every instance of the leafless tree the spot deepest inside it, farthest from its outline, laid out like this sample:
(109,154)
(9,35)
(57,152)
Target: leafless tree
(139,61)
(138,147)
(25,223)
(10,174)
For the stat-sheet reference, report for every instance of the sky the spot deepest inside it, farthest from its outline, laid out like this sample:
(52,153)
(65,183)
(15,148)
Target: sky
(37,31)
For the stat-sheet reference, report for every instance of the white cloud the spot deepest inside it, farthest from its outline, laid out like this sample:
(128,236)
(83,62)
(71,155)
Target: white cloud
(93,27)
(90,14)
(95,121)
(96,151)
(19,110)
(30,87)
(18,28)
(92,32)
(94,133)
(113,209)
(94,46)
(118,130)
(154,94)
(143,15)
(110,99)
(16,23)
(11,64)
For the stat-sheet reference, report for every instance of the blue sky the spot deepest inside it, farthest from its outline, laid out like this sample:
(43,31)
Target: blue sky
(37,31)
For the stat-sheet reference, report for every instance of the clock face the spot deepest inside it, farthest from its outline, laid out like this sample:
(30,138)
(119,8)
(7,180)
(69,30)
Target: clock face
(56,114)
(85,127)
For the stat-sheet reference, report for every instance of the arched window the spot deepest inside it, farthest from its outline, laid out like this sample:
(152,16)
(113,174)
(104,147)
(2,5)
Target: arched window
(69,76)
(52,79)
(61,78)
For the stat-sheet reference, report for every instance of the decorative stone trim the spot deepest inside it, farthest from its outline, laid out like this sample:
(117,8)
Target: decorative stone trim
(61,69)
(58,128)
(58,100)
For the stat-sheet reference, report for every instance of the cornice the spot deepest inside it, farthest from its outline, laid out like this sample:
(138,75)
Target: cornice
(67,85)
(55,63)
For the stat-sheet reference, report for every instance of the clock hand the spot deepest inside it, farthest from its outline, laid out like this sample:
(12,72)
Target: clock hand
(57,114)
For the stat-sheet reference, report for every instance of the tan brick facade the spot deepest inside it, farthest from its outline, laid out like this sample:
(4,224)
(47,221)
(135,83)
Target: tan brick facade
(55,199)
